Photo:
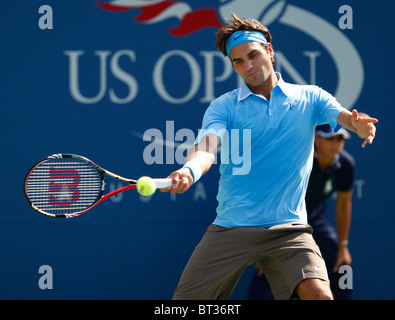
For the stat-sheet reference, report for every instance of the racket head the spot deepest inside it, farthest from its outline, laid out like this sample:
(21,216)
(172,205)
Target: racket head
(64,185)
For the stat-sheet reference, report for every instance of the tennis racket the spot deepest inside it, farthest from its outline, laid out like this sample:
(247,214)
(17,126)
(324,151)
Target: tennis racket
(68,185)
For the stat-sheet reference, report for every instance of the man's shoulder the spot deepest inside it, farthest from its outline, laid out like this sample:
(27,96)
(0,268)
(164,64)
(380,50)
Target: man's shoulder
(224,99)
(346,158)
(304,87)
(229,95)
(292,89)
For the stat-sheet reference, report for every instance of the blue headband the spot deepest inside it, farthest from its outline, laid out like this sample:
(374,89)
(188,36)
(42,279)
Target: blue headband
(241,36)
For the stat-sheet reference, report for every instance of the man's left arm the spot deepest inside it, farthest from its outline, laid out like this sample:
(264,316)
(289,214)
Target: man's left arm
(360,123)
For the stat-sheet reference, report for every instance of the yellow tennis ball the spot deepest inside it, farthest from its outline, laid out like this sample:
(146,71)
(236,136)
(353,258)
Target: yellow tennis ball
(146,186)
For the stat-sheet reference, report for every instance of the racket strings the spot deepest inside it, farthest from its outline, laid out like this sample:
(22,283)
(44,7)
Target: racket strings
(64,186)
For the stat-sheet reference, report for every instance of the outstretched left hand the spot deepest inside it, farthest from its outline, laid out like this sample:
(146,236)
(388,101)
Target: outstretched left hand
(364,126)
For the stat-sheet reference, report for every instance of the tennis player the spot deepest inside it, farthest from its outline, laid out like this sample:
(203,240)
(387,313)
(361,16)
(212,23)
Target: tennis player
(261,215)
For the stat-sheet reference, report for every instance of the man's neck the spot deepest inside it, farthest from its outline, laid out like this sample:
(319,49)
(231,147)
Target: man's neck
(266,87)
(324,161)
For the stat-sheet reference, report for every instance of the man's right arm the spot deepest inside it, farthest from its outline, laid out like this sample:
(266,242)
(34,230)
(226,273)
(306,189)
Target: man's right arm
(201,156)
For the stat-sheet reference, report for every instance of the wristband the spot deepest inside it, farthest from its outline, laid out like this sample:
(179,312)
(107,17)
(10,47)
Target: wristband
(196,170)
(343,243)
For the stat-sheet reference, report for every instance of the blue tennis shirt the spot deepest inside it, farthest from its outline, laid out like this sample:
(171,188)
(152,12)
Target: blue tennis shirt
(266,151)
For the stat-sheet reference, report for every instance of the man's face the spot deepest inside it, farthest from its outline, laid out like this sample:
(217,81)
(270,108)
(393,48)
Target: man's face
(329,147)
(252,62)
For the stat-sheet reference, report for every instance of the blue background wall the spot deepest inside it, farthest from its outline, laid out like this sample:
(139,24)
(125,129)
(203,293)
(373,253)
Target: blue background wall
(133,248)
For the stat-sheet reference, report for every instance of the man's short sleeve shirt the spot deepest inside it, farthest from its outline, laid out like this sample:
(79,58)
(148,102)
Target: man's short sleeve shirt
(266,151)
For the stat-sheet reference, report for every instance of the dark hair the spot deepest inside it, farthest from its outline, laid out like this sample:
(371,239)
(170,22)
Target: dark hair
(239,24)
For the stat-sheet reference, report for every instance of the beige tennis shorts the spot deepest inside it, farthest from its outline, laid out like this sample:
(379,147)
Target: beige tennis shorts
(287,254)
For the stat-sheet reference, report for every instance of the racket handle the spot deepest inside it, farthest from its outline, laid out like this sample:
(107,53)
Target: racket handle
(162,183)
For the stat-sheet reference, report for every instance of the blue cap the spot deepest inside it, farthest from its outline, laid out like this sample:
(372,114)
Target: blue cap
(241,36)
(326,131)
